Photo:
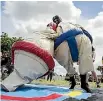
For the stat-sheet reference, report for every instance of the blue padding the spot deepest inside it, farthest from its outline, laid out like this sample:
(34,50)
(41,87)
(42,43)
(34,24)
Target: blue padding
(44,90)
(29,92)
(88,35)
(83,96)
(73,48)
(69,36)
(64,36)
(35,91)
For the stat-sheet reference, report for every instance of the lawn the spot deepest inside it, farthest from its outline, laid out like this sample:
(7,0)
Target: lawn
(62,83)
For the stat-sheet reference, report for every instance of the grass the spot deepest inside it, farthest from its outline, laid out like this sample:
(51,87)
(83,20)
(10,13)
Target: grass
(62,83)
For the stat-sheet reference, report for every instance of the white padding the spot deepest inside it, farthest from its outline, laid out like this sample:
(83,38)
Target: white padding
(28,64)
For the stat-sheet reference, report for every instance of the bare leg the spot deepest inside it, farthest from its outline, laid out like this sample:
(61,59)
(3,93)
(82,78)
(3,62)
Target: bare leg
(48,77)
(96,78)
(51,76)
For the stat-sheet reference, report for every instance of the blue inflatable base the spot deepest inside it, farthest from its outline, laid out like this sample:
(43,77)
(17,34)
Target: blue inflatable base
(43,92)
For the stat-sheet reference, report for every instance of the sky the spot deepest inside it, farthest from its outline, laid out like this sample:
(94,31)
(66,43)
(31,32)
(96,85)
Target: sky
(22,18)
(91,8)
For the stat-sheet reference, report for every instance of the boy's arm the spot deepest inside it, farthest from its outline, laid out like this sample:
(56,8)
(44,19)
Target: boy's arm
(56,34)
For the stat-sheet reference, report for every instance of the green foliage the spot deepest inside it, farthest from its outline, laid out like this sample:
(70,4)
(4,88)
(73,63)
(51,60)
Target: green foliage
(6,42)
(100,68)
(62,83)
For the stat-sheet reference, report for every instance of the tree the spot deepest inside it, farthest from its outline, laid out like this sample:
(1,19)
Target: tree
(6,42)
(100,68)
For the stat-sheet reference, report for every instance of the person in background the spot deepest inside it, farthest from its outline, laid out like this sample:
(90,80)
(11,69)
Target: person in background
(50,75)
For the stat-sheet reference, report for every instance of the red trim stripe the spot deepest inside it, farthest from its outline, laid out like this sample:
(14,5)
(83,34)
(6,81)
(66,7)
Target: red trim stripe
(32,48)
(50,97)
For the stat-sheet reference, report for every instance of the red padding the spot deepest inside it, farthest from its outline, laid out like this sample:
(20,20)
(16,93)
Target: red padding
(32,48)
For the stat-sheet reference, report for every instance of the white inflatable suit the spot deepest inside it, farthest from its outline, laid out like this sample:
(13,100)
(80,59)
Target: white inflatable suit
(63,55)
